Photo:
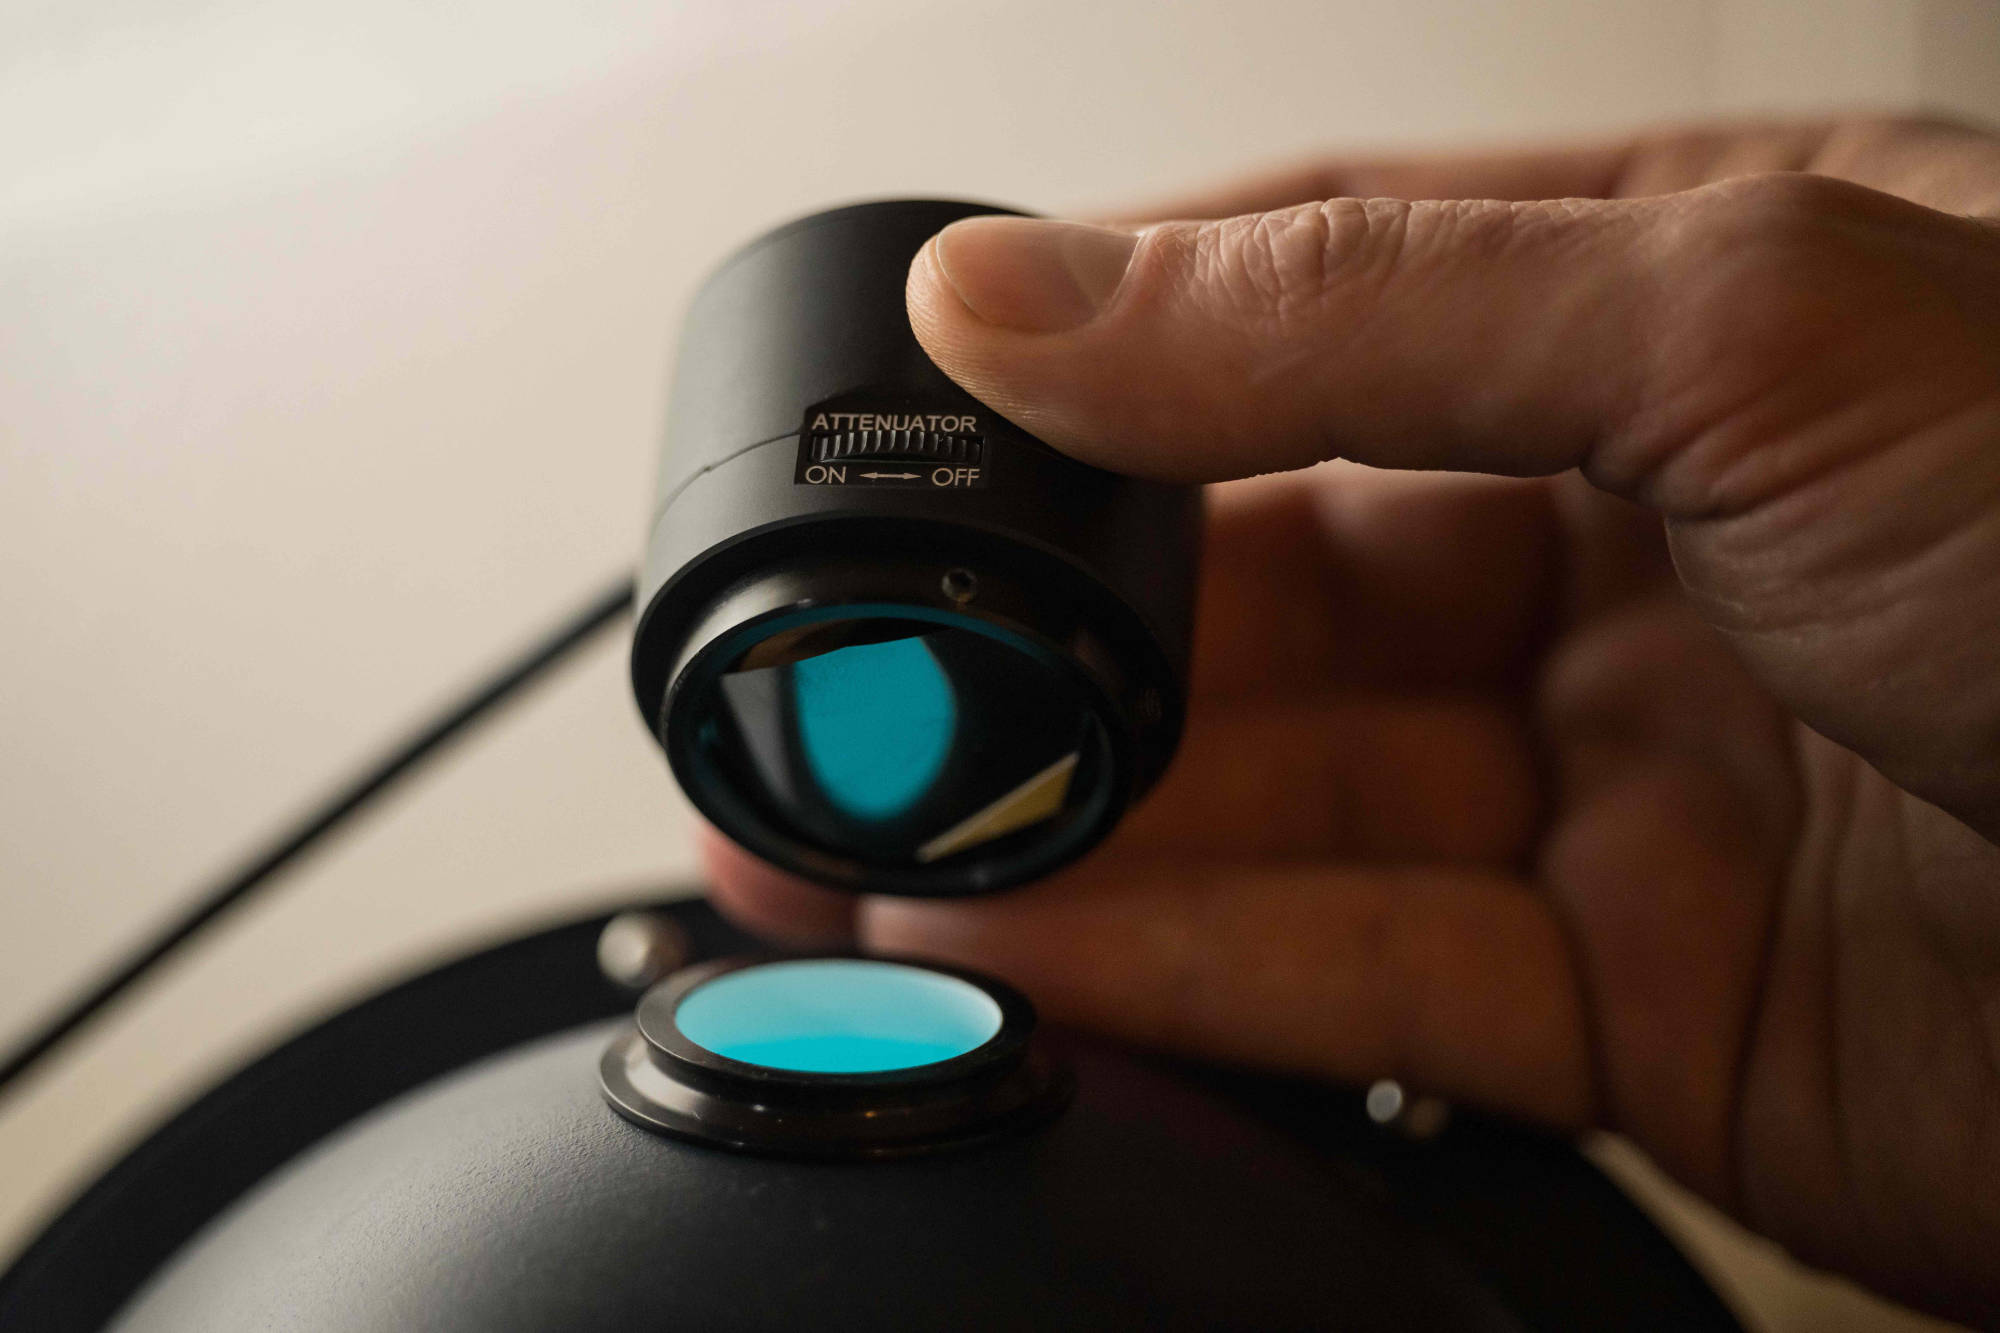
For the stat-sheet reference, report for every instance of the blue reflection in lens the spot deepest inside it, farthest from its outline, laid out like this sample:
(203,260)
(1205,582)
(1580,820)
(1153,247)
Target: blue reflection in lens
(838,1016)
(876,721)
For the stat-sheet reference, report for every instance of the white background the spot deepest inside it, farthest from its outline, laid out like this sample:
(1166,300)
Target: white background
(332,344)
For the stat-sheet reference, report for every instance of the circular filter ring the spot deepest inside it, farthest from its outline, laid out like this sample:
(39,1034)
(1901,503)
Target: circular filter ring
(1011,831)
(872,1027)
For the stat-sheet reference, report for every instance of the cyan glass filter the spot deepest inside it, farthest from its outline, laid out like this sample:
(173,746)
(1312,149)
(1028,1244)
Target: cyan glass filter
(833,1056)
(901,742)
(839,1016)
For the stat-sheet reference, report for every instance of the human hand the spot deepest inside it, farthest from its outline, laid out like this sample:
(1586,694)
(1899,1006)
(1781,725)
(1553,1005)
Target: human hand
(1653,784)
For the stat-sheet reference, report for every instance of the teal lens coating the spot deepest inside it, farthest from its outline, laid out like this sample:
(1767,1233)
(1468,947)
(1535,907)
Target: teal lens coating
(838,1016)
(876,722)
(900,743)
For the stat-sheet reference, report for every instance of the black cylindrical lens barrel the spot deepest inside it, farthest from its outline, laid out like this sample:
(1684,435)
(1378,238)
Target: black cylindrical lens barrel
(889,640)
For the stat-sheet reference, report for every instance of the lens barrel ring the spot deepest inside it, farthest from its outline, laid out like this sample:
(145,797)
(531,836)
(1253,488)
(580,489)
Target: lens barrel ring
(1050,635)
(660,1079)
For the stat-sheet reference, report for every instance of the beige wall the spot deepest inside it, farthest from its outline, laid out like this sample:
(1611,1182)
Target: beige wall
(332,342)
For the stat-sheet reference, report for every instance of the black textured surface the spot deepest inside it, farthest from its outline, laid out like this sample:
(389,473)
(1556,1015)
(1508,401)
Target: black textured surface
(85,1263)
(510,1200)
(1536,1223)
(814,312)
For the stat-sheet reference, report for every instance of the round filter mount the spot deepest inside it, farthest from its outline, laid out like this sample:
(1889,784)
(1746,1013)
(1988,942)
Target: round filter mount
(833,1056)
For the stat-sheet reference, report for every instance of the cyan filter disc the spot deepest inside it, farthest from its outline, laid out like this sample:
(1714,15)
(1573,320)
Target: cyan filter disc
(877,721)
(900,748)
(838,1016)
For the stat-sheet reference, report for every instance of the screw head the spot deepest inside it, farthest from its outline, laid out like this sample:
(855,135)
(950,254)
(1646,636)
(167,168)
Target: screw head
(636,949)
(960,585)
(1413,1115)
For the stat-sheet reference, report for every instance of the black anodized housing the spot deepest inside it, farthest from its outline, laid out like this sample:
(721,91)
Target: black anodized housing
(819,469)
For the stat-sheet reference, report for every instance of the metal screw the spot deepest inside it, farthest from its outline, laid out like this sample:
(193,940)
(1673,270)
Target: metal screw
(960,585)
(636,949)
(1413,1116)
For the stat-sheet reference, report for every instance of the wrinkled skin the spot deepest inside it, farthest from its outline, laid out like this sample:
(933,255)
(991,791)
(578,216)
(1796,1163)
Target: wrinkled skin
(1649,781)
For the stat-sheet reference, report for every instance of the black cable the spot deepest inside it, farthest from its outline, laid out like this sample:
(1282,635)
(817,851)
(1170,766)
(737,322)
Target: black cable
(575,630)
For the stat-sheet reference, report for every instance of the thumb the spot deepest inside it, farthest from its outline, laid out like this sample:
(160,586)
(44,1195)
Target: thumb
(1522,338)
(1796,372)
(1480,335)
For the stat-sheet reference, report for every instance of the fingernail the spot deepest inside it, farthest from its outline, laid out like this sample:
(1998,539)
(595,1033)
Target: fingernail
(1031,275)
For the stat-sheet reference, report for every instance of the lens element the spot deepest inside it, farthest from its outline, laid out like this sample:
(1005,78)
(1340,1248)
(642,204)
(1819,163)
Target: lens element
(876,723)
(904,743)
(838,1016)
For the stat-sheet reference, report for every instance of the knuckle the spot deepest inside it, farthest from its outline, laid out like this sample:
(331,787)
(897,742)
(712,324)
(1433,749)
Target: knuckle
(1280,271)
(1275,271)
(1785,202)
(1788,312)
(1758,268)
(1777,233)
(1599,676)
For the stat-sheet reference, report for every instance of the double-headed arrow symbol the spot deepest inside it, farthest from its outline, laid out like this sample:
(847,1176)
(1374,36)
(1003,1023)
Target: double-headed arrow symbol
(895,476)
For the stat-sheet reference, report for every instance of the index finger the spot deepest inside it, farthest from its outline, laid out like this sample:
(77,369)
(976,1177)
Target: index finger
(1456,980)
(1937,163)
